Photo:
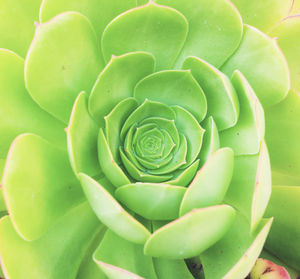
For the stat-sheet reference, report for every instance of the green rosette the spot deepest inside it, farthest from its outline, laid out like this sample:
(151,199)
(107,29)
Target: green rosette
(135,138)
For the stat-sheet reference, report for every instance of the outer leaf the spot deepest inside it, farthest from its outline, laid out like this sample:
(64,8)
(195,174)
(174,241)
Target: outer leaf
(163,34)
(166,269)
(261,61)
(263,14)
(222,100)
(191,234)
(282,137)
(99,12)
(235,254)
(57,255)
(82,134)
(117,256)
(246,136)
(152,201)
(62,61)
(18,112)
(16,16)
(173,88)
(37,196)
(283,240)
(111,213)
(210,183)
(215,29)
(88,268)
(117,81)
(287,33)
(108,165)
(250,188)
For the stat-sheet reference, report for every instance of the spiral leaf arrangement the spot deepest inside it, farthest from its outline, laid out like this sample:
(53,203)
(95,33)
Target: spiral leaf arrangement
(163,164)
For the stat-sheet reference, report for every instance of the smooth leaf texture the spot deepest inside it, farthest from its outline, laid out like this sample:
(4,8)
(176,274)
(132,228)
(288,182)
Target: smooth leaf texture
(10,35)
(173,88)
(191,234)
(246,136)
(152,201)
(215,29)
(110,212)
(282,137)
(153,28)
(114,122)
(82,135)
(222,101)
(38,196)
(210,183)
(57,255)
(18,112)
(283,240)
(63,60)
(235,254)
(119,256)
(287,34)
(117,81)
(250,192)
(99,12)
(263,64)
(211,140)
(263,14)
(108,165)
(168,269)
(88,268)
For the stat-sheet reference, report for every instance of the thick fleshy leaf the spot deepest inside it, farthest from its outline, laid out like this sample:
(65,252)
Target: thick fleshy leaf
(235,254)
(296,8)
(215,29)
(283,240)
(287,34)
(88,268)
(210,183)
(2,202)
(263,64)
(18,112)
(191,234)
(250,188)
(117,81)
(57,254)
(63,60)
(140,175)
(15,16)
(173,88)
(263,14)
(284,144)
(37,196)
(110,212)
(222,101)
(114,122)
(152,201)
(211,140)
(2,164)
(99,12)
(118,256)
(114,272)
(146,110)
(153,28)
(191,129)
(184,177)
(108,165)
(246,136)
(82,134)
(167,269)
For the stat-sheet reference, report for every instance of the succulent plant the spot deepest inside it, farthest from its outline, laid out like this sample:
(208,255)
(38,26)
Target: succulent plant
(135,135)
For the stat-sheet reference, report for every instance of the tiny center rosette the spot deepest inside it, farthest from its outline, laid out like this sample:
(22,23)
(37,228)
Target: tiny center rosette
(147,147)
